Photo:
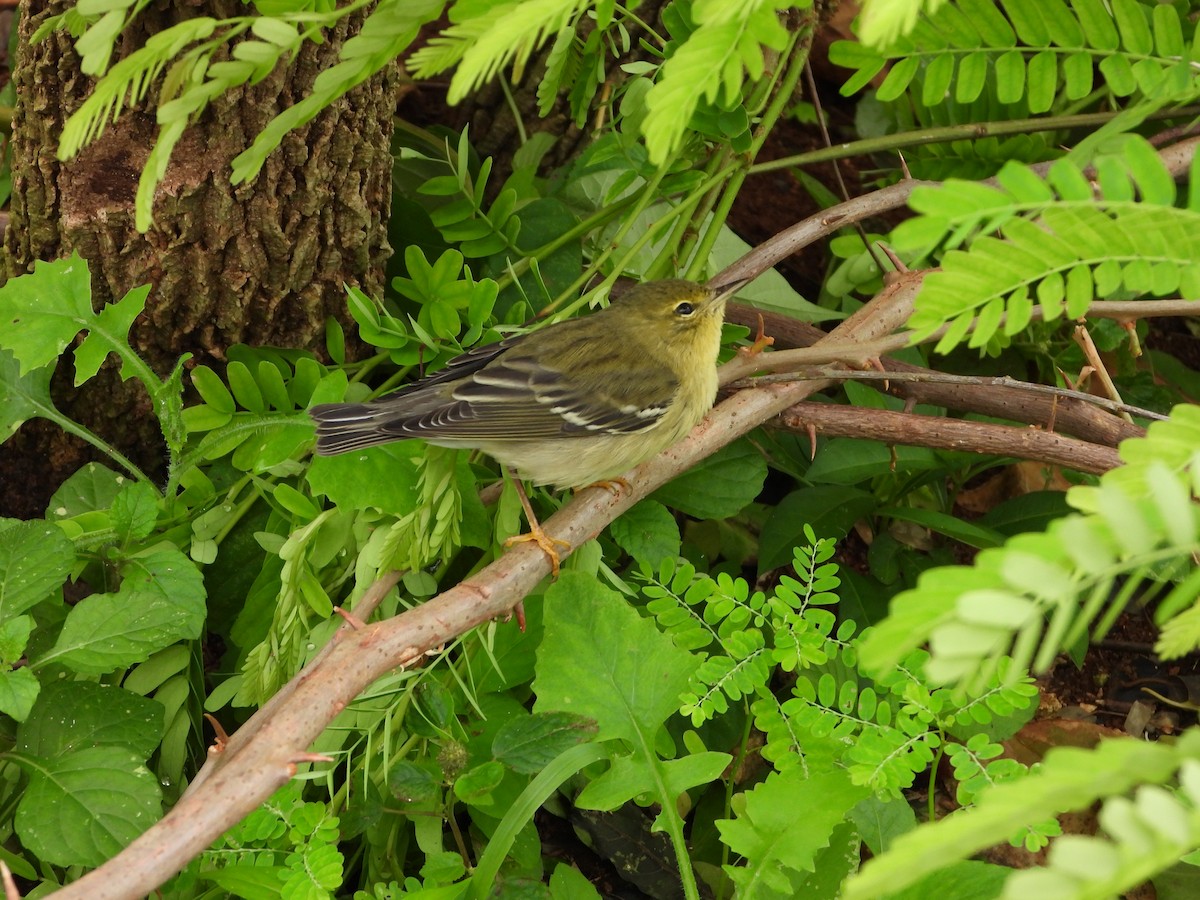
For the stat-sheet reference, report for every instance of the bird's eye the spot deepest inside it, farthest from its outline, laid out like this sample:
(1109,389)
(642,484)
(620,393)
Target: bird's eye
(684,309)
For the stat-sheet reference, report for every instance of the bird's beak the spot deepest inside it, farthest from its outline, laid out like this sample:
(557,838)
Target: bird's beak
(723,290)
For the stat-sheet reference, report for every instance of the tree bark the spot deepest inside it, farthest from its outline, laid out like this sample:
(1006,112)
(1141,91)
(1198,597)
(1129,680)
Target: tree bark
(261,263)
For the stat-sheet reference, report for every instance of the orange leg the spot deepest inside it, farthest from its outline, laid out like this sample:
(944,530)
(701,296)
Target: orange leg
(536,533)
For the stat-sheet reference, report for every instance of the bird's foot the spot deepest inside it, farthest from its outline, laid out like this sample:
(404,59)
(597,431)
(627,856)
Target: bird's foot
(543,540)
(613,485)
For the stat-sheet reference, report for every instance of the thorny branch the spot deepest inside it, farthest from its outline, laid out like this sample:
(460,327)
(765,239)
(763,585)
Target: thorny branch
(265,753)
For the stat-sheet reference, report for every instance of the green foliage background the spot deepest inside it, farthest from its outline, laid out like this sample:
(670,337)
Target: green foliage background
(769,730)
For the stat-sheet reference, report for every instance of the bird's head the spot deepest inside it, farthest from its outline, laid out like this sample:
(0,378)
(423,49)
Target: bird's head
(674,308)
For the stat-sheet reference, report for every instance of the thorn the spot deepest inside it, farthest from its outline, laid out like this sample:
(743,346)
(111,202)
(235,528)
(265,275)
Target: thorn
(350,618)
(761,341)
(221,738)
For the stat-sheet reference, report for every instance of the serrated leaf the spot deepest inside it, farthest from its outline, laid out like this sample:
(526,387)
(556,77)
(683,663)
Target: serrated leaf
(527,744)
(75,715)
(773,838)
(719,486)
(22,397)
(134,511)
(601,660)
(35,560)
(109,333)
(80,809)
(160,601)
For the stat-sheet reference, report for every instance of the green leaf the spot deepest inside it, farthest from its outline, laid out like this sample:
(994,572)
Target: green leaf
(647,532)
(382,477)
(631,776)
(80,809)
(35,560)
(109,333)
(968,533)
(18,691)
(963,880)
(76,715)
(601,660)
(160,601)
(41,313)
(134,511)
(881,821)
(413,782)
(22,397)
(719,486)
(785,821)
(527,744)
(91,487)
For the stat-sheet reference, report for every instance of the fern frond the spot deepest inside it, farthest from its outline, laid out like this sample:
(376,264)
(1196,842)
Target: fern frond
(128,82)
(883,21)
(1068,778)
(1026,50)
(710,64)
(483,44)
(1061,246)
(1146,834)
(389,28)
(1040,593)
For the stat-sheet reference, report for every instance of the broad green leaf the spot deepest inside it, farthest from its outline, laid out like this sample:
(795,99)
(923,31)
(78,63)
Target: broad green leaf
(35,560)
(969,533)
(785,821)
(80,809)
(76,715)
(964,880)
(631,776)
(382,477)
(22,397)
(568,883)
(134,511)
(881,821)
(414,782)
(160,601)
(92,487)
(18,692)
(647,532)
(527,744)
(41,313)
(14,638)
(849,461)
(601,660)
(719,486)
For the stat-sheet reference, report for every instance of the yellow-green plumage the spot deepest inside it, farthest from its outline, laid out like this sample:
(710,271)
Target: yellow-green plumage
(571,404)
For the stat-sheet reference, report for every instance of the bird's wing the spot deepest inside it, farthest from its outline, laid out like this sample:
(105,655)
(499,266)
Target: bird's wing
(502,393)
(515,397)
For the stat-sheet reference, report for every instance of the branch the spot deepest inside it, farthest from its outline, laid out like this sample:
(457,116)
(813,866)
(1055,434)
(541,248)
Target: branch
(266,752)
(950,434)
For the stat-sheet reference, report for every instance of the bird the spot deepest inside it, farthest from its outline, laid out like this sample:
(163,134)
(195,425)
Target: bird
(570,405)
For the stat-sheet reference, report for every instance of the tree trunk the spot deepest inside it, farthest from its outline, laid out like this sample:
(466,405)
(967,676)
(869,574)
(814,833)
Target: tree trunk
(262,263)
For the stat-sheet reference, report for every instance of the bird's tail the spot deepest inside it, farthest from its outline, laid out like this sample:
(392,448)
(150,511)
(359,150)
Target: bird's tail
(342,427)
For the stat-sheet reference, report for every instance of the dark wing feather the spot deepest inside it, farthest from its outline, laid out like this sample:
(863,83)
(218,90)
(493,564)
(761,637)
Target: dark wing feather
(503,393)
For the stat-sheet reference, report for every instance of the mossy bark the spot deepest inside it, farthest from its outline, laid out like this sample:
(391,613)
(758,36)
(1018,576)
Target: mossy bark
(261,263)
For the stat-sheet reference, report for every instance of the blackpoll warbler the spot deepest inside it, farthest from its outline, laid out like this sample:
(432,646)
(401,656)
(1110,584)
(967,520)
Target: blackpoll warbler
(573,404)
